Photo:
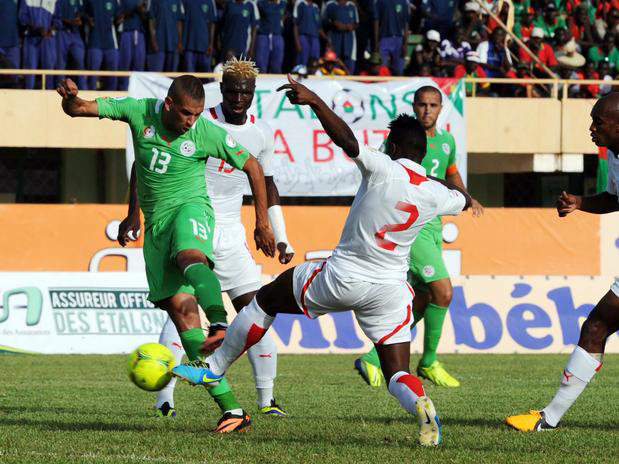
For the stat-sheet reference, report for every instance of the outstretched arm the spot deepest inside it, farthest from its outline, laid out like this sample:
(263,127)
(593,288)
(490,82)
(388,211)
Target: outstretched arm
(263,234)
(456,180)
(462,190)
(335,127)
(73,105)
(601,203)
(129,228)
(276,218)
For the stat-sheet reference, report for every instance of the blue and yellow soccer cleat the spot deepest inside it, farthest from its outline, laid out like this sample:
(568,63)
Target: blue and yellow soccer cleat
(165,410)
(430,429)
(535,421)
(273,410)
(197,373)
(437,374)
(372,375)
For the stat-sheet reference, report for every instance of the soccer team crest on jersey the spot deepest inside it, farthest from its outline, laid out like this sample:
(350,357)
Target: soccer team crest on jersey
(428,271)
(230,141)
(149,132)
(445,148)
(188,148)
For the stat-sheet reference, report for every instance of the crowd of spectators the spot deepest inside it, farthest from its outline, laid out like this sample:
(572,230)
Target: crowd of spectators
(442,38)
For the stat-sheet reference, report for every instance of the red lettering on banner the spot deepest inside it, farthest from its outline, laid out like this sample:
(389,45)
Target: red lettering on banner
(366,134)
(326,145)
(385,133)
(224,169)
(286,151)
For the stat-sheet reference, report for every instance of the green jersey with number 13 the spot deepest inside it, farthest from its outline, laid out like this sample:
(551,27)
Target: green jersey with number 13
(170,167)
(439,161)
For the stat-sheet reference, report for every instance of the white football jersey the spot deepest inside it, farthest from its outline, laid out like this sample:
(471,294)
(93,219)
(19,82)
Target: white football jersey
(394,202)
(225,184)
(613,173)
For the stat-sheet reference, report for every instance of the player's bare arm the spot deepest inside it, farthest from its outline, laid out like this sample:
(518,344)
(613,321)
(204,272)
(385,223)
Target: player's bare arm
(73,105)
(263,234)
(601,203)
(451,186)
(335,127)
(129,228)
(276,218)
(455,179)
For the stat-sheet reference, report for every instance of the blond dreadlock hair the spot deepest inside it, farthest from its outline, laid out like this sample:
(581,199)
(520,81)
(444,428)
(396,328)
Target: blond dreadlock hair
(245,69)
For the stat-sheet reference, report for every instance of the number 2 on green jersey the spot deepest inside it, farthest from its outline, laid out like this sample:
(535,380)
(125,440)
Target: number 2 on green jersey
(435,164)
(159,162)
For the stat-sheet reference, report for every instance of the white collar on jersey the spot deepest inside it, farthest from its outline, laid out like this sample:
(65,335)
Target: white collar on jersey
(216,113)
(410,164)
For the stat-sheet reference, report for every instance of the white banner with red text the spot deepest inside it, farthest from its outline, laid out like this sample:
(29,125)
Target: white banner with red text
(306,161)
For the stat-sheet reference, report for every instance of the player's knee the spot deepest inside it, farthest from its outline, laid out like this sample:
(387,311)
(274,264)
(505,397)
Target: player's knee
(594,331)
(188,257)
(442,295)
(265,299)
(185,311)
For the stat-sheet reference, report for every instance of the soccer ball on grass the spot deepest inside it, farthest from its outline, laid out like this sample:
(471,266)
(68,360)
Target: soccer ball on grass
(150,365)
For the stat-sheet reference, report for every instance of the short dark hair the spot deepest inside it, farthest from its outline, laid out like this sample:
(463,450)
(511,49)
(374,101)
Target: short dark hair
(427,88)
(408,134)
(186,86)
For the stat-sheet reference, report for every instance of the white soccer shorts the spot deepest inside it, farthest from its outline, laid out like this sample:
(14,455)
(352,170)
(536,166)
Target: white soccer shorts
(615,286)
(235,267)
(383,311)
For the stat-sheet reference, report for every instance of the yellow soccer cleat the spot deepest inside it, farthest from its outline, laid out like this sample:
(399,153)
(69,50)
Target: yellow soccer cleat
(372,375)
(437,374)
(430,429)
(535,421)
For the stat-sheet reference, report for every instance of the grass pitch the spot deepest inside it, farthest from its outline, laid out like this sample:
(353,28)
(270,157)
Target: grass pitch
(83,409)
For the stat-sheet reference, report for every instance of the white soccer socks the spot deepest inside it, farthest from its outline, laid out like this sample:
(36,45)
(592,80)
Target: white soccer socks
(247,328)
(169,337)
(407,389)
(578,372)
(263,359)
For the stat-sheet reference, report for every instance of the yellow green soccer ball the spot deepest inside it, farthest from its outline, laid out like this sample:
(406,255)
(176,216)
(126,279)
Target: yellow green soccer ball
(150,365)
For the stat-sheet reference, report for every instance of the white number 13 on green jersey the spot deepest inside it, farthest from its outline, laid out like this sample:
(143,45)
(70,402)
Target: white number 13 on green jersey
(159,162)
(199,229)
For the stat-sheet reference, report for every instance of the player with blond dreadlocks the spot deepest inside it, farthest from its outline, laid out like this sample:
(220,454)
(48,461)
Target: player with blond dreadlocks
(234,266)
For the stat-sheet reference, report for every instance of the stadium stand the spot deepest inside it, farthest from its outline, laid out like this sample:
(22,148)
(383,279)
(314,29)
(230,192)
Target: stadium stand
(573,38)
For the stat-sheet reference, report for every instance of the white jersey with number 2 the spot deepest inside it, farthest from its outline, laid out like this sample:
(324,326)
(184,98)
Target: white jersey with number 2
(394,202)
(227,185)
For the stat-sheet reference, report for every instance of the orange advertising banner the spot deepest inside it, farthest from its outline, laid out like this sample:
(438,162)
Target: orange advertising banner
(502,242)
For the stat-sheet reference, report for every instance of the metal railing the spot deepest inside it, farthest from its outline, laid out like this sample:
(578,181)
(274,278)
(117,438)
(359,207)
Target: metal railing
(555,84)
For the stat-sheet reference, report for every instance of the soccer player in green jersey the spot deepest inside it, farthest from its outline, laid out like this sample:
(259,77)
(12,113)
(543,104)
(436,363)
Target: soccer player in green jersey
(428,274)
(172,143)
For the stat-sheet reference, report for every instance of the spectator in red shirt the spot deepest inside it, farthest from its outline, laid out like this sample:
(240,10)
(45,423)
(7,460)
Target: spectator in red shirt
(543,51)
(522,71)
(580,26)
(589,90)
(471,68)
(376,67)
(524,27)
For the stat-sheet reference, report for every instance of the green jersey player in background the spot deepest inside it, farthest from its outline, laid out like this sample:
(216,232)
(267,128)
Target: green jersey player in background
(428,274)
(172,143)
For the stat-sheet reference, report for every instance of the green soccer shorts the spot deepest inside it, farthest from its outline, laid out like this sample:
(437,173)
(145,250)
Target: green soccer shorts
(187,228)
(426,258)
